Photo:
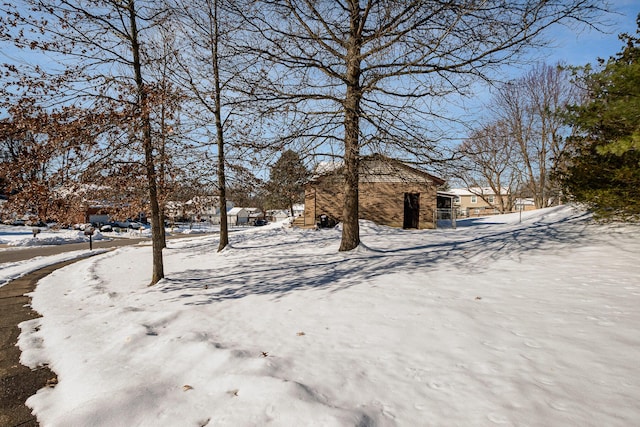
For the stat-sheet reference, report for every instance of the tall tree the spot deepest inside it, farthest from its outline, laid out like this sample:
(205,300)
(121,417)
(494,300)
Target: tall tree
(525,136)
(368,73)
(286,181)
(210,67)
(603,161)
(101,45)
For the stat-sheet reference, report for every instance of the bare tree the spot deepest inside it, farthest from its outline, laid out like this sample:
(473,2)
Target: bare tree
(490,159)
(209,68)
(367,73)
(532,109)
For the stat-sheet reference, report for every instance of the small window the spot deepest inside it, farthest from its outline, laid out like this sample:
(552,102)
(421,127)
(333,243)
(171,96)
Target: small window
(491,199)
(474,199)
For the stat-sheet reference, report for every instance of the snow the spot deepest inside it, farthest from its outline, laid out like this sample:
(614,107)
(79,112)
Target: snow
(23,236)
(14,237)
(496,322)
(14,270)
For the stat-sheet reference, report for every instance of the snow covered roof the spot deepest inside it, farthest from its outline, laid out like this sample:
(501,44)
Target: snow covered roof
(236,211)
(525,202)
(374,166)
(327,166)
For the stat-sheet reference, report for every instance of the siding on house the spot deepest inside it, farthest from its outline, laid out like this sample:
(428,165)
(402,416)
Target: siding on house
(470,201)
(383,184)
(237,216)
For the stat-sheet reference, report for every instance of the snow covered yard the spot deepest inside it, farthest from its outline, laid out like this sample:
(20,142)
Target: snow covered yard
(496,322)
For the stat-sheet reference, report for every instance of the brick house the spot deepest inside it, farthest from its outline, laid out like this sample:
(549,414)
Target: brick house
(390,193)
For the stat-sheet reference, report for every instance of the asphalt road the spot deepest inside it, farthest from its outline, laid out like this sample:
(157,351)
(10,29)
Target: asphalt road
(24,253)
(17,382)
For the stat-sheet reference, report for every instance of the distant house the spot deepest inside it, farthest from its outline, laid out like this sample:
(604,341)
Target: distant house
(202,208)
(199,208)
(102,214)
(277,215)
(298,209)
(390,193)
(524,204)
(480,201)
(254,214)
(238,216)
(215,218)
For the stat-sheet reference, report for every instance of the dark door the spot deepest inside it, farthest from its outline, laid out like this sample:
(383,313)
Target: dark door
(411,210)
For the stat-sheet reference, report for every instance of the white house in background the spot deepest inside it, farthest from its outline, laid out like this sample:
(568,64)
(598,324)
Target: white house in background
(298,210)
(277,215)
(524,204)
(478,201)
(238,216)
(254,213)
(215,219)
(200,208)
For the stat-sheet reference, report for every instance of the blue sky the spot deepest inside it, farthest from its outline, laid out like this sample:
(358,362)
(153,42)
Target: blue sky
(582,47)
(570,46)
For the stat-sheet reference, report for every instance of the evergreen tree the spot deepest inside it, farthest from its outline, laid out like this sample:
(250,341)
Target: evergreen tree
(286,181)
(603,165)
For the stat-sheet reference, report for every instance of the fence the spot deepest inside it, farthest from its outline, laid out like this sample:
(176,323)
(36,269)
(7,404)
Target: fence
(445,218)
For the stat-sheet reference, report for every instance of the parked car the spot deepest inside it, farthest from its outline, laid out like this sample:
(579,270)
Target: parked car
(136,225)
(130,224)
(260,222)
(111,226)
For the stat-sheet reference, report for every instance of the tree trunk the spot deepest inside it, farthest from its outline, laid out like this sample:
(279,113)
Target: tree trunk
(224,229)
(162,184)
(157,237)
(350,227)
(350,212)
(163,233)
(147,143)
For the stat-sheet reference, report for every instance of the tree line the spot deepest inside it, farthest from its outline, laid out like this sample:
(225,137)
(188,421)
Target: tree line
(129,99)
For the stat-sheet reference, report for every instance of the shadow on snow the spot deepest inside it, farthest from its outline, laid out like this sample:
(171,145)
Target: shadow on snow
(279,270)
